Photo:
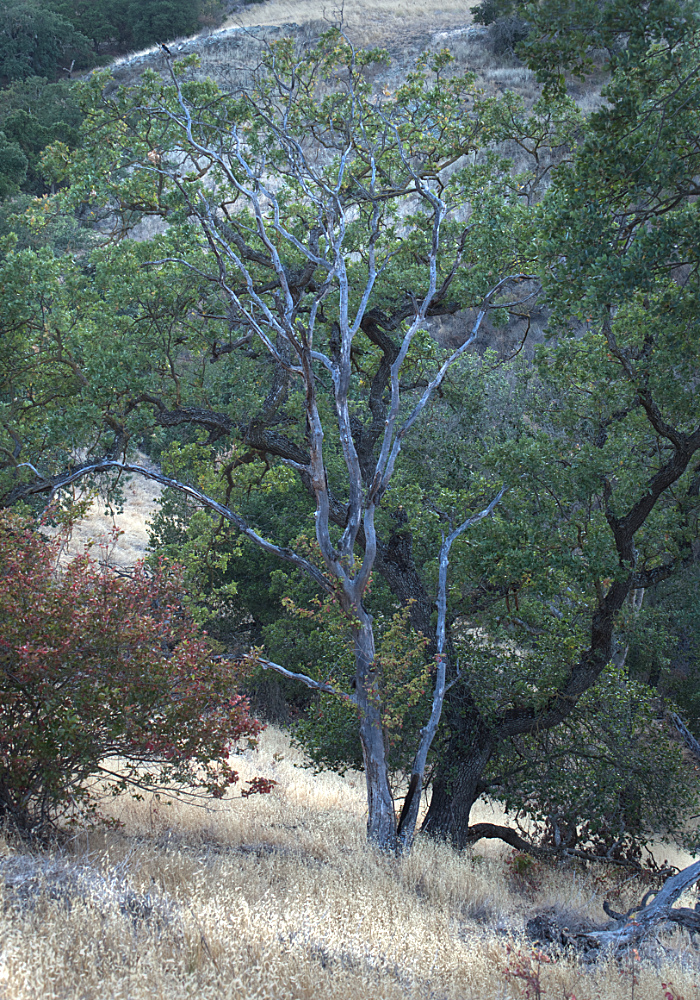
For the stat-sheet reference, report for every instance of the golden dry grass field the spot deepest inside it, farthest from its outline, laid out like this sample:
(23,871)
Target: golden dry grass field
(279,897)
(367,22)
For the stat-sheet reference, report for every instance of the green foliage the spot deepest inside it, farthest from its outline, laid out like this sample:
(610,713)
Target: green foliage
(665,643)
(45,38)
(35,41)
(328,732)
(145,345)
(154,20)
(97,669)
(608,779)
(36,226)
(120,25)
(490,10)
(508,26)
(13,166)
(34,114)
(571,36)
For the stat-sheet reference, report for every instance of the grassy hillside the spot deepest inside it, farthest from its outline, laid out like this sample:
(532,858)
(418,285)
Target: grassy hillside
(406,28)
(390,23)
(279,897)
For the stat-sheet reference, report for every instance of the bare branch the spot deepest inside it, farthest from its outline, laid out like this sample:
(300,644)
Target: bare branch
(409,813)
(105,465)
(303,678)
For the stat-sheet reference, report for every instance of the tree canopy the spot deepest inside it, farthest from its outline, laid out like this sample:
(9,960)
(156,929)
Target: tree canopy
(463,543)
(35,41)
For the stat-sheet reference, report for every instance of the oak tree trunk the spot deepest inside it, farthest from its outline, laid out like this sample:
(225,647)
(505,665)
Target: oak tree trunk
(457,781)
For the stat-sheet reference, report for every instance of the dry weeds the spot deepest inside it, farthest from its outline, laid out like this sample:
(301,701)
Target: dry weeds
(279,897)
(95,532)
(367,22)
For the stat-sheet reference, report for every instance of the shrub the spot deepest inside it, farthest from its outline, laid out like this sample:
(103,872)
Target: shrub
(508,26)
(105,682)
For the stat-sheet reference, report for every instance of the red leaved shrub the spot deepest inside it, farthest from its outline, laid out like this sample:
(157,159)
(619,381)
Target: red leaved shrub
(105,681)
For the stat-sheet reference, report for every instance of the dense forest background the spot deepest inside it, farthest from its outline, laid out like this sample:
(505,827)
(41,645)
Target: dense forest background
(44,44)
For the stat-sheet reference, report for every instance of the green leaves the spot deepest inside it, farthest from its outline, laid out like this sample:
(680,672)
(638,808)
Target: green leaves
(13,166)
(34,114)
(608,780)
(34,41)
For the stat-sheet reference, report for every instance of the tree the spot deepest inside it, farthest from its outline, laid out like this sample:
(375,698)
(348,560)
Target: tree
(33,114)
(603,783)
(36,42)
(105,684)
(578,37)
(13,166)
(508,26)
(126,24)
(665,643)
(313,228)
(621,273)
(311,270)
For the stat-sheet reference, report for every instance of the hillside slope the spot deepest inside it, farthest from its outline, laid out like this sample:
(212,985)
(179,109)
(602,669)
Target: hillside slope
(391,23)
(279,897)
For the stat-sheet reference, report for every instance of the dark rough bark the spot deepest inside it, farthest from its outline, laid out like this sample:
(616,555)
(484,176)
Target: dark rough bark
(457,779)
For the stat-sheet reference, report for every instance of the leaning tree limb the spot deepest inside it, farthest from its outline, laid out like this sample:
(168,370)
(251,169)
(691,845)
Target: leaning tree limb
(688,738)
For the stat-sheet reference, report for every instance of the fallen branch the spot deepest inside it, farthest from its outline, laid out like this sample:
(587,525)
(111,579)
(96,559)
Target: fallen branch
(629,928)
(688,738)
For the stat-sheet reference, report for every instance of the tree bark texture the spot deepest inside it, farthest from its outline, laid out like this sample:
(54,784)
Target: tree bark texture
(381,818)
(457,784)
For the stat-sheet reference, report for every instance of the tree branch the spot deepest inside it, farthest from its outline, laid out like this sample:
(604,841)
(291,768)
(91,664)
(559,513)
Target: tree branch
(105,465)
(303,678)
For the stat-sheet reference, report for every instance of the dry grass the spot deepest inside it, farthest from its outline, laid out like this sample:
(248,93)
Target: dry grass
(96,531)
(367,22)
(279,897)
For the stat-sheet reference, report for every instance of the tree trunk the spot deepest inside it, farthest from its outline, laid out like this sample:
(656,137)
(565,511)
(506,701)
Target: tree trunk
(381,818)
(456,781)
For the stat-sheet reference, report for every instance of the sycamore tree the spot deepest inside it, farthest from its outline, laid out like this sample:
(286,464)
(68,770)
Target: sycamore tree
(312,228)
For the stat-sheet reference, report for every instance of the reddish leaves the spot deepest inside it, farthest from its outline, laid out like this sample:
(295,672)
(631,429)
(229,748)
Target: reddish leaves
(104,676)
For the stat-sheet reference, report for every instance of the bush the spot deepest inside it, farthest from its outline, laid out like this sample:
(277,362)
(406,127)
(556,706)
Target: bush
(506,33)
(508,27)
(105,683)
